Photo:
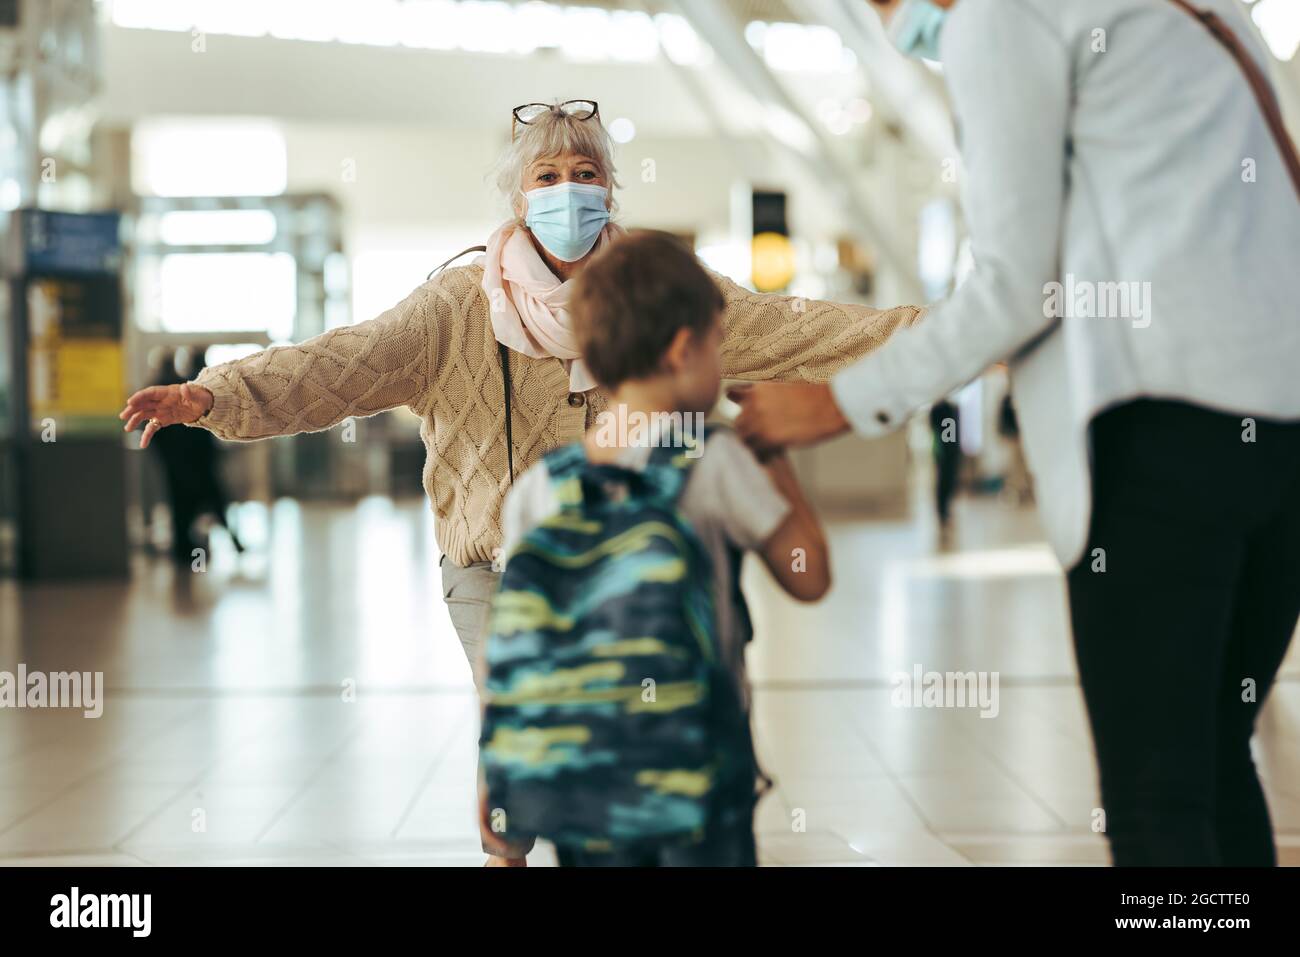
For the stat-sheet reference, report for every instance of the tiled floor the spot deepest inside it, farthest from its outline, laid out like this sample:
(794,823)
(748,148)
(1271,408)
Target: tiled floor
(229,736)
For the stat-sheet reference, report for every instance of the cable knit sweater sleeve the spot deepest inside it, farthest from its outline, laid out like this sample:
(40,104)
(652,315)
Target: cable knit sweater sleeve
(786,337)
(353,371)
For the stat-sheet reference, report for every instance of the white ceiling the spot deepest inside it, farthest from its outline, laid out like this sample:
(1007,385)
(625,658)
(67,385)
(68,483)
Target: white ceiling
(155,73)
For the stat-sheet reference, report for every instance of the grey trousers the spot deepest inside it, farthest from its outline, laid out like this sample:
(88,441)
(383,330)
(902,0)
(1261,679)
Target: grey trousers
(468,593)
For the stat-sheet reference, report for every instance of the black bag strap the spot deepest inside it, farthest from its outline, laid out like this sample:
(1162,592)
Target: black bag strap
(510,432)
(504,352)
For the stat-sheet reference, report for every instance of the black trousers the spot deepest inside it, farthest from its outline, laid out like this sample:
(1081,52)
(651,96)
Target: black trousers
(947,470)
(1180,637)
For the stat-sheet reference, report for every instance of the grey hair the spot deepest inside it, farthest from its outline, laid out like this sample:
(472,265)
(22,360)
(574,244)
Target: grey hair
(553,134)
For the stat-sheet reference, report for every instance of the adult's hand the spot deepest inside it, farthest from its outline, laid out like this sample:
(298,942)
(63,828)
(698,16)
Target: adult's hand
(162,405)
(780,415)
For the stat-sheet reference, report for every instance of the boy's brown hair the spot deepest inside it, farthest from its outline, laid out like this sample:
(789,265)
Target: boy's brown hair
(632,299)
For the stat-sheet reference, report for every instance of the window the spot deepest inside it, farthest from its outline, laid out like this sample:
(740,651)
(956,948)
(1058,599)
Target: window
(228,292)
(201,158)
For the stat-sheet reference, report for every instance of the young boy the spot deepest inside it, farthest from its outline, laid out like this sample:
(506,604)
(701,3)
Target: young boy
(648,318)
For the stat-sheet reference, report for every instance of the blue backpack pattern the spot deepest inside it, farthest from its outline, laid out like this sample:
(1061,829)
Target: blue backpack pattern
(608,716)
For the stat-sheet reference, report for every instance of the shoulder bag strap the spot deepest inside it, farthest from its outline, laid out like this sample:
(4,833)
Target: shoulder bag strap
(463,252)
(1259,83)
(510,432)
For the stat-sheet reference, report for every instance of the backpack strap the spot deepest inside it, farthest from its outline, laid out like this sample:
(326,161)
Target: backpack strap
(678,462)
(670,466)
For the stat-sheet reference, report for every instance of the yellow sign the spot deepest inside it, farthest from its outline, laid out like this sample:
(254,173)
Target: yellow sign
(76,377)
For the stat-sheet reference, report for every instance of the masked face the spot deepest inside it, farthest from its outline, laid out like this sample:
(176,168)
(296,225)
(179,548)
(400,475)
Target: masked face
(915,28)
(568,218)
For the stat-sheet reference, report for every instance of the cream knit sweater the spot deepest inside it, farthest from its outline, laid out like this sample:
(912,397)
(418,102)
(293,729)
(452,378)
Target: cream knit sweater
(435,353)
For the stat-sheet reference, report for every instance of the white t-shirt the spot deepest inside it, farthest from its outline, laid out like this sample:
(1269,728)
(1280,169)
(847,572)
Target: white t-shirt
(729,500)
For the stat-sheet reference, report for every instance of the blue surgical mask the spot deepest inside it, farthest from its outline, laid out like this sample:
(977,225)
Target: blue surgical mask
(567,218)
(916,27)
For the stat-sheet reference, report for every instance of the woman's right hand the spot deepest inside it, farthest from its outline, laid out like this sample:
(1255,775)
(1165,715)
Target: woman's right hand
(162,405)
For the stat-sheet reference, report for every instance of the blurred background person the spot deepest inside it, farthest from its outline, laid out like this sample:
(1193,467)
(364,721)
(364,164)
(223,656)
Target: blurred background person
(945,423)
(191,463)
(1017,485)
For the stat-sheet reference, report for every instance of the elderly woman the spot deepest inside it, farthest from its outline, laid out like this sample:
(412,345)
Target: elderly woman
(485,354)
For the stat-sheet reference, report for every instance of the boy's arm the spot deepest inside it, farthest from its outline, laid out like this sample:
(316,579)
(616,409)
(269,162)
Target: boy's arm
(796,553)
(788,338)
(763,510)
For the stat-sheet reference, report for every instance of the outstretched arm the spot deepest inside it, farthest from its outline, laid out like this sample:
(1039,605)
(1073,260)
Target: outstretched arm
(353,371)
(789,338)
(1017,178)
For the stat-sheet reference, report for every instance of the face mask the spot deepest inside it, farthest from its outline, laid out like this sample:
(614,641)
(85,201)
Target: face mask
(567,218)
(916,27)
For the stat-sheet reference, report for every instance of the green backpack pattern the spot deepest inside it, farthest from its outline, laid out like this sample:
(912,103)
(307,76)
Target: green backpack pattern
(608,717)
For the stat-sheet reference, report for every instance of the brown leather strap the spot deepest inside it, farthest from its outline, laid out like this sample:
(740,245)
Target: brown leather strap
(1259,82)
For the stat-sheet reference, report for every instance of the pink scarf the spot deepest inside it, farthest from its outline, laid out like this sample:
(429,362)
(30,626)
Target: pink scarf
(529,304)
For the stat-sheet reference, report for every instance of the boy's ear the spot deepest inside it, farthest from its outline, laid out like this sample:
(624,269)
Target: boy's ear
(679,350)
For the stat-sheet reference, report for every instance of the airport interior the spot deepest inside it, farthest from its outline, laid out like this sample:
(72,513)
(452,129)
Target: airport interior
(188,182)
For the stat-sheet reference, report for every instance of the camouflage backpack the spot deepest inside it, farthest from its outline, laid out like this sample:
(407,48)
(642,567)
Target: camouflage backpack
(608,717)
